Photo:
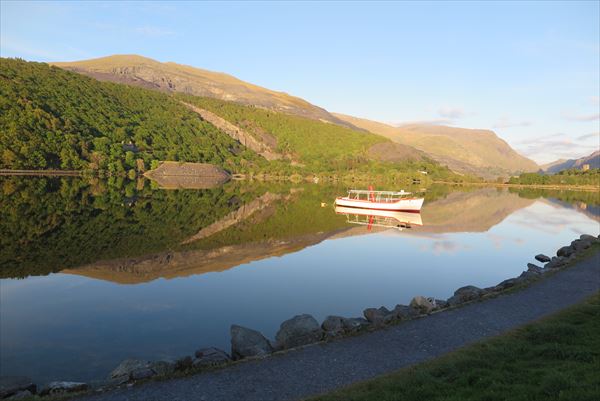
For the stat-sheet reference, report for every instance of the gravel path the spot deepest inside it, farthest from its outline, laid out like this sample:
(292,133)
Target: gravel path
(324,367)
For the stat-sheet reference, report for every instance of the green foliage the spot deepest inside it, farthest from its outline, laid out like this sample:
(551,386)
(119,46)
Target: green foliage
(318,145)
(54,119)
(555,359)
(565,177)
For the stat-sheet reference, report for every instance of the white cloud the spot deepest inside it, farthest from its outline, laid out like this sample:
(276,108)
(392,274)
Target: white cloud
(451,112)
(589,136)
(556,146)
(581,117)
(506,122)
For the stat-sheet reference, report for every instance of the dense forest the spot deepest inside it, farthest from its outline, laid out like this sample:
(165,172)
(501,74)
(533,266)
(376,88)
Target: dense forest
(54,119)
(566,177)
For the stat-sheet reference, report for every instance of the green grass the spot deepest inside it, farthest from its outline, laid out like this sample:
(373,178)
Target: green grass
(557,358)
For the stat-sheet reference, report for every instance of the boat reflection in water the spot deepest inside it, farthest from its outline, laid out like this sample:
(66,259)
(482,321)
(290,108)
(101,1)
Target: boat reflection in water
(380,218)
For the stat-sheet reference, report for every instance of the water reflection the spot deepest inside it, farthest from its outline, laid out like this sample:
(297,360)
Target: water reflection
(248,254)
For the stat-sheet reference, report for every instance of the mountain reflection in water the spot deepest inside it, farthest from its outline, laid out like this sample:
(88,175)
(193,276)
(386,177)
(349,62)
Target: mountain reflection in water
(250,254)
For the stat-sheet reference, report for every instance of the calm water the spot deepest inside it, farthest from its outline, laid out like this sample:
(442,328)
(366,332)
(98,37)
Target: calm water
(94,273)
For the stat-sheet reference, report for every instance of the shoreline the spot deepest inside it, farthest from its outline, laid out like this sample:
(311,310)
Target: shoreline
(262,177)
(144,376)
(588,188)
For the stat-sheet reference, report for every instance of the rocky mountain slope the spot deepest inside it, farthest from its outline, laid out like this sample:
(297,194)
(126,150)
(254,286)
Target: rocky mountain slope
(479,152)
(173,77)
(559,165)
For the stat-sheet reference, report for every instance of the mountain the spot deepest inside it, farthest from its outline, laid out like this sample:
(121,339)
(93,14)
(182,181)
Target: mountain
(51,118)
(471,151)
(55,119)
(173,77)
(559,165)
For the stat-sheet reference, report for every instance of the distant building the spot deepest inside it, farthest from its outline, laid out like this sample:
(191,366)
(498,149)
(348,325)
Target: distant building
(585,167)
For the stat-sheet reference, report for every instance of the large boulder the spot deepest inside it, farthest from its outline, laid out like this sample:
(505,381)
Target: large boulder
(163,367)
(403,312)
(11,385)
(210,357)
(54,388)
(132,369)
(299,330)
(246,342)
(534,268)
(333,326)
(354,324)
(422,304)
(378,316)
(588,238)
(556,262)
(565,251)
(465,294)
(542,258)
(508,283)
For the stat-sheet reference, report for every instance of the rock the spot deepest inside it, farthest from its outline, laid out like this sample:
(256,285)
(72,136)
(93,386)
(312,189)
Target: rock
(163,367)
(21,395)
(529,275)
(297,331)
(333,326)
(376,316)
(542,258)
(441,303)
(511,282)
(132,369)
(534,268)
(141,374)
(11,385)
(404,312)
(556,262)
(565,251)
(246,342)
(579,245)
(354,324)
(588,238)
(63,388)
(422,304)
(465,294)
(211,357)
(184,363)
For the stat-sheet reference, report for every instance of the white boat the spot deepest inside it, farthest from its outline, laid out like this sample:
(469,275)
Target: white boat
(381,200)
(380,218)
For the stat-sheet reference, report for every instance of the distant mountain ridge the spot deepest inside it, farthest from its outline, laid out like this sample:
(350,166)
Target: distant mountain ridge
(173,77)
(471,151)
(559,165)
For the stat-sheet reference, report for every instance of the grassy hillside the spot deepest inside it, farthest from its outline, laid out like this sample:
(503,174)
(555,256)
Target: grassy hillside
(323,147)
(52,118)
(478,152)
(173,77)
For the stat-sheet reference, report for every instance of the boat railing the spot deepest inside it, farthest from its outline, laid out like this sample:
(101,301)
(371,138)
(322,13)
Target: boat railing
(367,191)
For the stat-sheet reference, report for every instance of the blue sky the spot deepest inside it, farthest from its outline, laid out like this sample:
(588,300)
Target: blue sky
(529,71)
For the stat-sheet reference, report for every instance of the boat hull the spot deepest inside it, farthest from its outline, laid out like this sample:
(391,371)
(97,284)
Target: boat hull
(409,218)
(402,205)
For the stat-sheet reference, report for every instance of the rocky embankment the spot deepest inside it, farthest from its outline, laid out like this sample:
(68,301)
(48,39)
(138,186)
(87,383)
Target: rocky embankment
(301,330)
(265,148)
(173,175)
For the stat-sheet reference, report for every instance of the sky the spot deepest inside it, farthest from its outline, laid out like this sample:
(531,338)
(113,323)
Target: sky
(530,71)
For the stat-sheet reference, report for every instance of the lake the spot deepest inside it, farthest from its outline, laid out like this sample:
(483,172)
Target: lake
(93,272)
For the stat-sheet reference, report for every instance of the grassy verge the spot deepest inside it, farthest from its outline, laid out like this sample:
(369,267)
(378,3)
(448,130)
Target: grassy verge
(557,358)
